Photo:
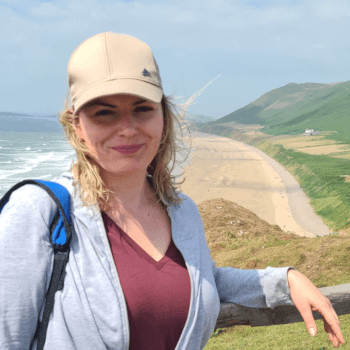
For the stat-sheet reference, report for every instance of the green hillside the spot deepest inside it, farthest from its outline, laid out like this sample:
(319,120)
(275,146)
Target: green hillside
(294,107)
(199,118)
(12,114)
(15,122)
(15,114)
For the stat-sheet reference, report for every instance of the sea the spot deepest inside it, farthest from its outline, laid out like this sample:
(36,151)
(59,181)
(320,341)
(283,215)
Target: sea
(34,147)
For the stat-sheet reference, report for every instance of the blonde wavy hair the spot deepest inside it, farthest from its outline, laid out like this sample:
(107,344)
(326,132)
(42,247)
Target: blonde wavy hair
(86,171)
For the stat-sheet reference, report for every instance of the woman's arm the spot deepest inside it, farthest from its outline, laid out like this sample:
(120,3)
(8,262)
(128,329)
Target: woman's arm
(307,298)
(253,288)
(271,287)
(25,265)
(278,286)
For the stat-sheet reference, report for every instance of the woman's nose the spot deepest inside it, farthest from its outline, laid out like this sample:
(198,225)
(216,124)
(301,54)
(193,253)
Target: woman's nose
(127,123)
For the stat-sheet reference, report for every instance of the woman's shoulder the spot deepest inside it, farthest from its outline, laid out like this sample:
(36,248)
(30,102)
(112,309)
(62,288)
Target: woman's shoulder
(186,200)
(187,207)
(30,200)
(31,195)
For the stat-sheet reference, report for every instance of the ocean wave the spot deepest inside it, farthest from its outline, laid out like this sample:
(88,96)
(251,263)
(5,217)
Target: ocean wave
(7,173)
(43,177)
(41,158)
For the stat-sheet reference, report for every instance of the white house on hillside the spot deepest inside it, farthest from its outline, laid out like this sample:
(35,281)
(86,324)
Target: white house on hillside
(309,132)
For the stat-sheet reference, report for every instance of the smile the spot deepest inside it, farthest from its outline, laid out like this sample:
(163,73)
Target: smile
(128,149)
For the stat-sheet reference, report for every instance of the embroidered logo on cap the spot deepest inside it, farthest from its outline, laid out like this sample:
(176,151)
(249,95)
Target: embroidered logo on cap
(146,73)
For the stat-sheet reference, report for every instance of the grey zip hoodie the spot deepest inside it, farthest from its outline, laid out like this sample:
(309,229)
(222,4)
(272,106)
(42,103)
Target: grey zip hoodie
(90,312)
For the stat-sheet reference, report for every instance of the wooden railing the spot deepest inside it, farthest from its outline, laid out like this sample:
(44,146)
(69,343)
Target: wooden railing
(232,314)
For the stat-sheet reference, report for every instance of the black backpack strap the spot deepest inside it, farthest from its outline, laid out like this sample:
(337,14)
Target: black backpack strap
(56,283)
(60,237)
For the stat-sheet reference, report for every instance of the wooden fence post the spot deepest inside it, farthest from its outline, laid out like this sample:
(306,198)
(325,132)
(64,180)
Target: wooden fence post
(232,314)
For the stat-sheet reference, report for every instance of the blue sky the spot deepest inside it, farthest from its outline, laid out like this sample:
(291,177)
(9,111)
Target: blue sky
(255,46)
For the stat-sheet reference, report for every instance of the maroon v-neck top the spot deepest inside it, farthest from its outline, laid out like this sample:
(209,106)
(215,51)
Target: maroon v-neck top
(157,294)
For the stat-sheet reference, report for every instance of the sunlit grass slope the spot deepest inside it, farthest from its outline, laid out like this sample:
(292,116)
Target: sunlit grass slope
(238,238)
(294,107)
(323,179)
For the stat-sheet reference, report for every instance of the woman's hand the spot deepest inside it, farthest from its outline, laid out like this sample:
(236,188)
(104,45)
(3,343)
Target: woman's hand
(307,298)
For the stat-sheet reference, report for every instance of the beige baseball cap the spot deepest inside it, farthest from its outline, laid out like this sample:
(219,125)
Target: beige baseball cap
(110,63)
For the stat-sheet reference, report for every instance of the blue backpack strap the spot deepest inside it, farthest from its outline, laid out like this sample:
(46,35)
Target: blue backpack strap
(60,237)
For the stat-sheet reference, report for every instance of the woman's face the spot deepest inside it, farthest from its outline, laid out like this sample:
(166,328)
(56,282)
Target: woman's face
(110,125)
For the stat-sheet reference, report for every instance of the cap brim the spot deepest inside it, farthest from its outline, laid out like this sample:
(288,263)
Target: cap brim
(133,87)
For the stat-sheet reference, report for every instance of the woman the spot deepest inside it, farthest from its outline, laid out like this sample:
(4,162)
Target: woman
(139,274)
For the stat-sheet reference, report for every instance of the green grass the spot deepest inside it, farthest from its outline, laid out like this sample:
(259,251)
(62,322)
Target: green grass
(321,179)
(342,136)
(282,337)
(324,260)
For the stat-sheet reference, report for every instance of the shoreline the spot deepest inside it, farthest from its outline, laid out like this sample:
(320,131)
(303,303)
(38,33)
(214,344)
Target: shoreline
(220,167)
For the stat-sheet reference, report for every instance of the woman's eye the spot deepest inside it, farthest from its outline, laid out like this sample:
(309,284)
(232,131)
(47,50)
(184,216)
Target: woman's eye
(103,112)
(144,109)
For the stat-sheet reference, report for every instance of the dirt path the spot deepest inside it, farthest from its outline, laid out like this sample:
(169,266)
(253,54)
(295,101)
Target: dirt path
(224,168)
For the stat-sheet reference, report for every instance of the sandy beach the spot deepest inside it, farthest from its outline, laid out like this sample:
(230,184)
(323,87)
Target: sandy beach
(220,167)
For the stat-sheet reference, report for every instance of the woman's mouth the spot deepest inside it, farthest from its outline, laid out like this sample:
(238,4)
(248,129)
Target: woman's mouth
(128,149)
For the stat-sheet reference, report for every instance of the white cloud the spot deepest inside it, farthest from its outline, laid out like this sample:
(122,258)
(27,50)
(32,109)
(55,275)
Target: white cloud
(194,40)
